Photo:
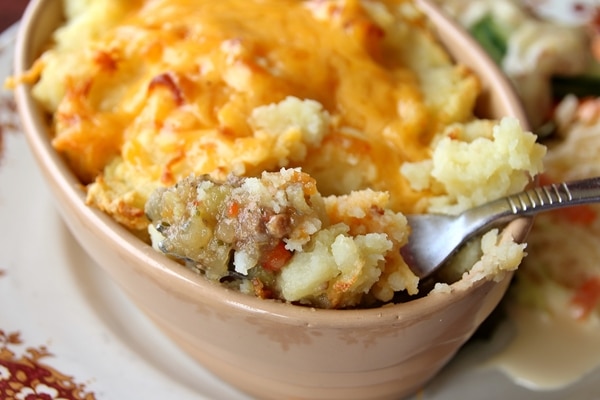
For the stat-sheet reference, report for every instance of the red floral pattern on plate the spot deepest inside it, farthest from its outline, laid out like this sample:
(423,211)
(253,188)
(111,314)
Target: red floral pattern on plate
(23,374)
(25,377)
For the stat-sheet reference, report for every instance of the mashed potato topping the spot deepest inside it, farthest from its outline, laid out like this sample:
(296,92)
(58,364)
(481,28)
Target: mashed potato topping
(326,119)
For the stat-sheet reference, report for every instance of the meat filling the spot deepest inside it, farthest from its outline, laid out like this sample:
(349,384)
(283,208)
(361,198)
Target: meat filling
(255,234)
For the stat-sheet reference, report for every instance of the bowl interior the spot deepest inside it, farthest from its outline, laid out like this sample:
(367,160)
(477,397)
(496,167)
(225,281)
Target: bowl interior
(42,18)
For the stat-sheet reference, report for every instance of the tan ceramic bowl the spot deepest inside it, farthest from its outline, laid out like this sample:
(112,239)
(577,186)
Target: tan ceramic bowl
(269,349)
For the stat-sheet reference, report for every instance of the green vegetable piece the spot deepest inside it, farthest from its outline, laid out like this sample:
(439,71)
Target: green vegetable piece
(489,35)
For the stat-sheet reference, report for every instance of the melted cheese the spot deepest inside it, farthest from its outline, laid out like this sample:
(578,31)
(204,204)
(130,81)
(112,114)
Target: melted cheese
(167,88)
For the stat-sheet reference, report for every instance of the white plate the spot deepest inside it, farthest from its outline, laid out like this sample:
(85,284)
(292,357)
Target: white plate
(60,314)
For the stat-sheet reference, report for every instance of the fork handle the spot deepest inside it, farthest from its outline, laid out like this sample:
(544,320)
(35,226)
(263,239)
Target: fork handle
(533,201)
(556,195)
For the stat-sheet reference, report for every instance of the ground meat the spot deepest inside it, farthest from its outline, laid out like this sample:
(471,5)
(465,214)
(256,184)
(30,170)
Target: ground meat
(229,228)
(275,236)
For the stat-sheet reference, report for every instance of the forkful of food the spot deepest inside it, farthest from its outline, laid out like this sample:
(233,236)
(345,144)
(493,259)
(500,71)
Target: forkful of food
(435,238)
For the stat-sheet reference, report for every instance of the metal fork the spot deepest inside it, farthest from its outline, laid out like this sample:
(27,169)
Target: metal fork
(435,237)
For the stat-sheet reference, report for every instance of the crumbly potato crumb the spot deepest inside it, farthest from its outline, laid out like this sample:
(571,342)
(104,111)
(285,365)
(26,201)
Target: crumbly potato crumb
(499,256)
(476,163)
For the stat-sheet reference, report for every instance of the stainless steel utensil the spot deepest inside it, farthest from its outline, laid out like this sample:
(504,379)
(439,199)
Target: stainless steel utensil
(435,237)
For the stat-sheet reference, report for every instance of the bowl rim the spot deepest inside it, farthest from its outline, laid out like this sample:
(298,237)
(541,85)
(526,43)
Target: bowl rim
(172,276)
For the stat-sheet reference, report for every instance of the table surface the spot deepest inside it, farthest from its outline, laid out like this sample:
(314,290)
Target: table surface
(10,12)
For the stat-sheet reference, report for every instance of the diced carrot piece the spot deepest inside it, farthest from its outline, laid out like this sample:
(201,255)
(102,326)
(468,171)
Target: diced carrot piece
(233,210)
(544,179)
(586,298)
(275,259)
(583,215)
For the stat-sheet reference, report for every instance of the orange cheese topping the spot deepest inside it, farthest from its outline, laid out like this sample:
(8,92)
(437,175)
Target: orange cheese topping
(173,86)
